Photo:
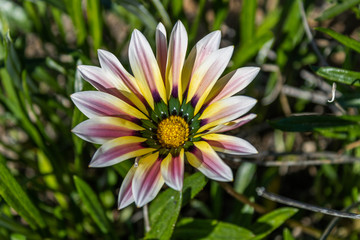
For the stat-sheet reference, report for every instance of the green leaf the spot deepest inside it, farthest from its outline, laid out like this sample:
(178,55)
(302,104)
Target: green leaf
(337,9)
(94,15)
(247,51)
(349,100)
(189,228)
(8,223)
(349,42)
(15,15)
(56,3)
(15,196)
(287,235)
(269,222)
(244,175)
(162,11)
(75,10)
(192,186)
(140,11)
(308,123)
(339,75)
(247,24)
(92,204)
(164,210)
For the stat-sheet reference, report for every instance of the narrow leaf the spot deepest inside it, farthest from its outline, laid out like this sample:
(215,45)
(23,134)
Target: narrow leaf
(308,123)
(15,196)
(189,228)
(247,51)
(349,42)
(269,222)
(95,22)
(92,204)
(339,75)
(247,24)
(287,235)
(337,9)
(192,186)
(164,210)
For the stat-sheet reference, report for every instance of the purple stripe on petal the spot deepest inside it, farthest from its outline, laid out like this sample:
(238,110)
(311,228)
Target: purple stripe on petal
(203,122)
(116,152)
(156,96)
(229,144)
(194,101)
(95,131)
(161,48)
(147,180)
(206,160)
(172,170)
(125,194)
(175,92)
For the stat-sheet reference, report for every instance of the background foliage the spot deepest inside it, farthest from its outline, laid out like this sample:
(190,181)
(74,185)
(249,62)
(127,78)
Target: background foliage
(46,188)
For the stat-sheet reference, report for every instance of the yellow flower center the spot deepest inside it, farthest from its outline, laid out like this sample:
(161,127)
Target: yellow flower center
(172,132)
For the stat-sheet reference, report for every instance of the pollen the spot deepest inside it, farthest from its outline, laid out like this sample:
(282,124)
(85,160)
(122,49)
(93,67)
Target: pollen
(172,132)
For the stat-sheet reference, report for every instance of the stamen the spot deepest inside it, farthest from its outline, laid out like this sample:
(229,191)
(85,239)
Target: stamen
(173,132)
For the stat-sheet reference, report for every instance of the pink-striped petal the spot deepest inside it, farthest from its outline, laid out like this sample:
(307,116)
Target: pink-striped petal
(225,110)
(161,48)
(98,104)
(200,51)
(111,64)
(206,160)
(125,194)
(102,129)
(96,77)
(106,81)
(146,70)
(229,144)
(118,150)
(175,61)
(204,78)
(232,83)
(172,170)
(147,180)
(232,124)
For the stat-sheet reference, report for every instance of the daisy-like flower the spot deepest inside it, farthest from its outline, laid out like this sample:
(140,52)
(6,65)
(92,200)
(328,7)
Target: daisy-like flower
(171,107)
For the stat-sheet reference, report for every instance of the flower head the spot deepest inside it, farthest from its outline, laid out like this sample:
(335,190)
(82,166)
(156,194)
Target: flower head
(171,107)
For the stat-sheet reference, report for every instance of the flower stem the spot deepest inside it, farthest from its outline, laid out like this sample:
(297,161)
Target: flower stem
(146,218)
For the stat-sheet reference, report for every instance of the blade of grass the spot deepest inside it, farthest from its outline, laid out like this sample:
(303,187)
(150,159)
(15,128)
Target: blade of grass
(349,42)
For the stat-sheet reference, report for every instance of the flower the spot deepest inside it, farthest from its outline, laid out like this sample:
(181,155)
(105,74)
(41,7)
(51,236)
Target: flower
(171,107)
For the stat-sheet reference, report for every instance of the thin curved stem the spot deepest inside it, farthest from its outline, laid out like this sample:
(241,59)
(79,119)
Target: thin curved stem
(290,202)
(333,222)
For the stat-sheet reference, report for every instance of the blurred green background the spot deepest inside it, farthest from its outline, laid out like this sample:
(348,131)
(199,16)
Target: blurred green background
(48,192)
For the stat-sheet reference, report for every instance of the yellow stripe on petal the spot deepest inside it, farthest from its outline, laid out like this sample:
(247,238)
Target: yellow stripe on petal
(120,76)
(222,58)
(102,129)
(232,83)
(93,103)
(147,180)
(118,150)
(228,126)
(198,54)
(230,144)
(225,110)
(203,157)
(146,70)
